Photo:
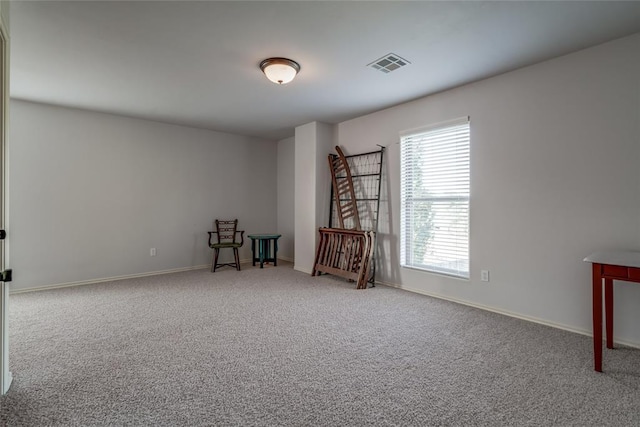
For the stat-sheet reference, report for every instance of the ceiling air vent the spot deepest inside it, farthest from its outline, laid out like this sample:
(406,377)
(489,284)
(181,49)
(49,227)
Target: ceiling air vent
(388,63)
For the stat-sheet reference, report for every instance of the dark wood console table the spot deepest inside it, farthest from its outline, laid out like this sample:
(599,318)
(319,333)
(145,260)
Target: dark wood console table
(609,266)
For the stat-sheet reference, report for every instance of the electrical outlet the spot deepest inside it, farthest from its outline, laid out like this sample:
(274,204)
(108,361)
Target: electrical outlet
(484,275)
(152,252)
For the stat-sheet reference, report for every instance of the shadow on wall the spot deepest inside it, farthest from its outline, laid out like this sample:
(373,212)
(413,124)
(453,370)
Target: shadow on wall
(387,268)
(387,265)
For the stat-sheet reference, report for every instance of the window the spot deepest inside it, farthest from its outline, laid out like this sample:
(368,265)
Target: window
(434,164)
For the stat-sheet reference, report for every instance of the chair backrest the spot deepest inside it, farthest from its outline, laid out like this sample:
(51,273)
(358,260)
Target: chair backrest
(226,230)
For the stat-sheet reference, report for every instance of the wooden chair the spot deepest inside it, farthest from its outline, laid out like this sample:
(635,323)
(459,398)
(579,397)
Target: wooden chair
(226,232)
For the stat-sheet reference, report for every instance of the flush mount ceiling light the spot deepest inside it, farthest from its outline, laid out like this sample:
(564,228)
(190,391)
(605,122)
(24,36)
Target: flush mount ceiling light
(280,70)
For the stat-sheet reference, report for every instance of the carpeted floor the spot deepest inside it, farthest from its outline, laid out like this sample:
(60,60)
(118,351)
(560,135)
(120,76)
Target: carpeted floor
(278,347)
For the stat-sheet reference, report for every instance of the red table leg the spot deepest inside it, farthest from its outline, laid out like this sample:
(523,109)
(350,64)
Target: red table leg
(597,317)
(608,310)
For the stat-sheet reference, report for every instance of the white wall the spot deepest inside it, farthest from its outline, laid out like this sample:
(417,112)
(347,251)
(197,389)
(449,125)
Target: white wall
(286,199)
(304,196)
(311,189)
(555,155)
(324,144)
(91,193)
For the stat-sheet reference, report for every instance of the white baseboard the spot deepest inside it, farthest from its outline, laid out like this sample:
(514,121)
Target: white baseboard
(124,277)
(284,258)
(111,279)
(506,313)
(302,270)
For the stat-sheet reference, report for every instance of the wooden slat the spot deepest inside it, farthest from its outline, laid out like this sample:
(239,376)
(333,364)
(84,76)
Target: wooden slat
(345,253)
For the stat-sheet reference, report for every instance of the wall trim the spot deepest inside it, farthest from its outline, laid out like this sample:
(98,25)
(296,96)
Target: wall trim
(304,270)
(505,312)
(124,277)
(5,375)
(111,279)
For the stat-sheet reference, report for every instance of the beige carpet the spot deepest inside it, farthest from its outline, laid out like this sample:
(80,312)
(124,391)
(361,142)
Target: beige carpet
(276,347)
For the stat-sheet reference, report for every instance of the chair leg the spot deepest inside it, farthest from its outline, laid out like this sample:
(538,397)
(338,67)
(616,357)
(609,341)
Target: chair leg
(214,264)
(237,257)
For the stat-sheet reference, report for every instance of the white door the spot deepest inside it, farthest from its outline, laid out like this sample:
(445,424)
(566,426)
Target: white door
(5,375)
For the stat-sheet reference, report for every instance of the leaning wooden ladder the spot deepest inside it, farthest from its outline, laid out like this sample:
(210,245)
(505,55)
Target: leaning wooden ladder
(345,252)
(345,196)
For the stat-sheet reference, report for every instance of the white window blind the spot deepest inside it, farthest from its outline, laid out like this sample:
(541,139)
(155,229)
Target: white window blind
(435,183)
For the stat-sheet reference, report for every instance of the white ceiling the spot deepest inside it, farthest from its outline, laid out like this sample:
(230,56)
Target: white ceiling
(196,63)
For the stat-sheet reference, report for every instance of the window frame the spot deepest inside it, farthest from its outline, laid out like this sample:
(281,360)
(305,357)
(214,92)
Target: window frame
(459,268)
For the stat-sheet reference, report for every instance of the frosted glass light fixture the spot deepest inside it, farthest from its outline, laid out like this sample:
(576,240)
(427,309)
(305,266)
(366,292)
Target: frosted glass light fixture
(280,70)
